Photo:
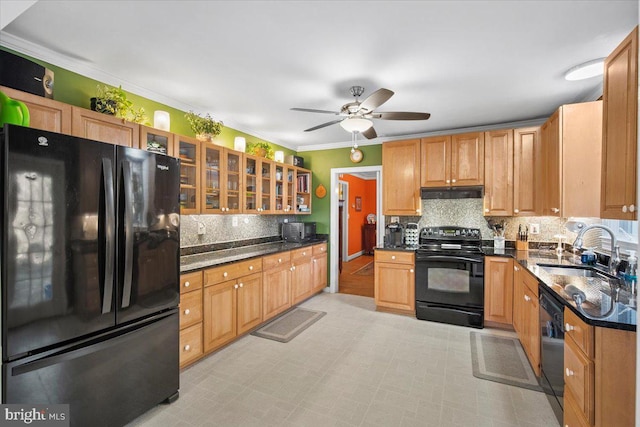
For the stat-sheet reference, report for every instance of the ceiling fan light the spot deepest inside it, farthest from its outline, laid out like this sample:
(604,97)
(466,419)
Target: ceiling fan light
(356,124)
(585,71)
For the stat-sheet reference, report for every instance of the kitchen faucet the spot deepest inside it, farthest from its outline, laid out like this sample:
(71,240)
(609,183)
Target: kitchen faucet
(614,259)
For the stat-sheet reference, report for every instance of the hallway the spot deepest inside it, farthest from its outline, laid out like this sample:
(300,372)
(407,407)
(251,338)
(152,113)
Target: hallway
(357,277)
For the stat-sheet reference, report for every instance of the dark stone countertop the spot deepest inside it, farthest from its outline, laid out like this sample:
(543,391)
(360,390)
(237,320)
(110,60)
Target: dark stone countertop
(597,290)
(203,260)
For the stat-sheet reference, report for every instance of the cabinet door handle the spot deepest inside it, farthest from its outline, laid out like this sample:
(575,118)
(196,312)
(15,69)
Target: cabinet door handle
(315,260)
(279,259)
(304,254)
(453,180)
(187,284)
(632,208)
(293,268)
(515,268)
(448,181)
(516,211)
(568,327)
(624,209)
(187,347)
(486,209)
(527,298)
(411,270)
(241,284)
(225,274)
(393,257)
(250,267)
(235,286)
(555,210)
(187,311)
(569,372)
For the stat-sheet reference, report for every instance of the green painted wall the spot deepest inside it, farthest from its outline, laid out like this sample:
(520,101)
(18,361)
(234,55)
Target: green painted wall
(321,162)
(75,89)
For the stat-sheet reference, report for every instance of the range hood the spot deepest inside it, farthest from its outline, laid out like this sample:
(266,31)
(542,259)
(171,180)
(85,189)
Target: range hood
(473,192)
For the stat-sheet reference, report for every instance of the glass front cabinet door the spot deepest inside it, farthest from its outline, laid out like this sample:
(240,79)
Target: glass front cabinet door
(156,140)
(212,160)
(188,150)
(232,182)
(251,184)
(266,186)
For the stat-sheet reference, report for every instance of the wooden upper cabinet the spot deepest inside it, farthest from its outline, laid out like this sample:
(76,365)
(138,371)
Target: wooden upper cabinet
(103,127)
(572,151)
(435,161)
(527,171)
(157,141)
(551,154)
(401,177)
(498,173)
(45,114)
(452,160)
(467,159)
(620,131)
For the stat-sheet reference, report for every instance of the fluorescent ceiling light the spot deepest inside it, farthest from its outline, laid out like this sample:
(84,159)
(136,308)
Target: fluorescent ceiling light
(356,124)
(585,71)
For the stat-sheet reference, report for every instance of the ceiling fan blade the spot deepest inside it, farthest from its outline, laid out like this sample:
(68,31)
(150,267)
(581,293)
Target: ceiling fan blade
(376,99)
(370,133)
(401,115)
(333,122)
(312,110)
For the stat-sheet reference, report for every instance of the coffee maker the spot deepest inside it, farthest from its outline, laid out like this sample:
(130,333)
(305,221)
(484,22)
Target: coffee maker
(394,235)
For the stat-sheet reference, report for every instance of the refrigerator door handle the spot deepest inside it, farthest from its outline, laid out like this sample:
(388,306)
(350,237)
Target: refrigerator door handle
(110,238)
(128,233)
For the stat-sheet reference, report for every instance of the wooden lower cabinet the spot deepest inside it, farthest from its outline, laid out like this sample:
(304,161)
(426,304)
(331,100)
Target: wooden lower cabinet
(230,309)
(498,291)
(190,317)
(394,281)
(301,275)
(573,416)
(319,265)
(526,315)
(276,284)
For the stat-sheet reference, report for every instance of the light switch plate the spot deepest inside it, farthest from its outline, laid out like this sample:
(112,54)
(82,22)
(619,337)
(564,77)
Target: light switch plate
(534,228)
(234,221)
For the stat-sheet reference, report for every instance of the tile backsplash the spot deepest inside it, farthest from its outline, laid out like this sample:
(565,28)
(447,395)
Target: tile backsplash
(220,228)
(468,213)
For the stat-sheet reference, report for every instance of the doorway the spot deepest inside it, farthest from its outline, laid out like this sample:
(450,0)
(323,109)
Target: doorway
(335,242)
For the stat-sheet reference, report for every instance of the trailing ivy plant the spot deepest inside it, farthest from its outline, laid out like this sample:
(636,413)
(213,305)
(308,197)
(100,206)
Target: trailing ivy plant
(204,125)
(112,100)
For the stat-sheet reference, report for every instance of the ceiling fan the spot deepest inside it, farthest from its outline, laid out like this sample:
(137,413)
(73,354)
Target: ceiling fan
(356,116)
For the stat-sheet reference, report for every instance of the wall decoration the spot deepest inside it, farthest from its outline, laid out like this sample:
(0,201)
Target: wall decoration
(321,191)
(358,203)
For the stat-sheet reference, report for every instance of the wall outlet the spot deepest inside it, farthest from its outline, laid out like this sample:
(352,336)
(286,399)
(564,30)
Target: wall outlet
(202,229)
(395,219)
(234,221)
(534,228)
(286,220)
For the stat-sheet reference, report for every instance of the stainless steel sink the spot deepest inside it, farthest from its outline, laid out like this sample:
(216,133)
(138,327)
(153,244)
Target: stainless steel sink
(572,271)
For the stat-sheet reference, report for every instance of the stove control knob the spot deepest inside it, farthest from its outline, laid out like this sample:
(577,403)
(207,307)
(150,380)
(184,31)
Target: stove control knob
(463,232)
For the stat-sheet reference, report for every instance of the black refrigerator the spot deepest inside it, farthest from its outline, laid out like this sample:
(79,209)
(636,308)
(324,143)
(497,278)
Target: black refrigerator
(90,276)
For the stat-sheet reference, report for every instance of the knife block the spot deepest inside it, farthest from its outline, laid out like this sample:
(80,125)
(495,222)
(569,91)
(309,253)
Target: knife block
(522,245)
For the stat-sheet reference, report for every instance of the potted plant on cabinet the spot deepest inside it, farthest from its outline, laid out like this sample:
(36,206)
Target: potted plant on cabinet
(205,128)
(113,101)
(260,149)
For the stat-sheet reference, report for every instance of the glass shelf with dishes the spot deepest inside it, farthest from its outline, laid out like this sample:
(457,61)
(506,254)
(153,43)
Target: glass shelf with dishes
(189,153)
(156,140)
(251,189)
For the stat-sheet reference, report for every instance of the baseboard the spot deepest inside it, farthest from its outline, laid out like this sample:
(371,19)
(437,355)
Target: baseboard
(354,256)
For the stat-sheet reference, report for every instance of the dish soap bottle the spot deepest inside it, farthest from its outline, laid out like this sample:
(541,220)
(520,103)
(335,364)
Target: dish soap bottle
(631,273)
(589,257)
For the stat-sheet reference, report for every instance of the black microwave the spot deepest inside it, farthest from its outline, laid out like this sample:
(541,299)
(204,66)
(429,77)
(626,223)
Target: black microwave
(298,231)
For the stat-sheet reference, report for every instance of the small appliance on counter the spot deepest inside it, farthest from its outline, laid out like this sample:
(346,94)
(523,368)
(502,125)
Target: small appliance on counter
(298,231)
(394,235)
(411,234)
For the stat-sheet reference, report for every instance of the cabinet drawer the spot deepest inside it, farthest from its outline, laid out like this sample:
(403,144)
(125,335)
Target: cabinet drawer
(190,344)
(302,255)
(572,417)
(394,257)
(232,271)
(190,281)
(276,260)
(320,249)
(580,332)
(190,308)
(579,378)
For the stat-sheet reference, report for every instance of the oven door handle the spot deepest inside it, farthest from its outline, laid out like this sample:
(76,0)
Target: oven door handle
(449,258)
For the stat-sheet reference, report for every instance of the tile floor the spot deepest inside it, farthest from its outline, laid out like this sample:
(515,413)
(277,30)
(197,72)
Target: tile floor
(354,367)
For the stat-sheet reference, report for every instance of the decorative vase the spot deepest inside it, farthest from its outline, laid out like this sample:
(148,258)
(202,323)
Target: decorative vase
(100,106)
(205,137)
(260,152)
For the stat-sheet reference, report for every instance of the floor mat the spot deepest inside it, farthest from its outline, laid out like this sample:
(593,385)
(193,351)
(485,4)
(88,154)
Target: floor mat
(501,359)
(289,325)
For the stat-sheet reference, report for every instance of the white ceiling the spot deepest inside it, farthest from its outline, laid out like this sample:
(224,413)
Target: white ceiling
(248,62)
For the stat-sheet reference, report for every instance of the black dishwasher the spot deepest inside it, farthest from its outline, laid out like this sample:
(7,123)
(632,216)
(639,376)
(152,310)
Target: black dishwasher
(552,354)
